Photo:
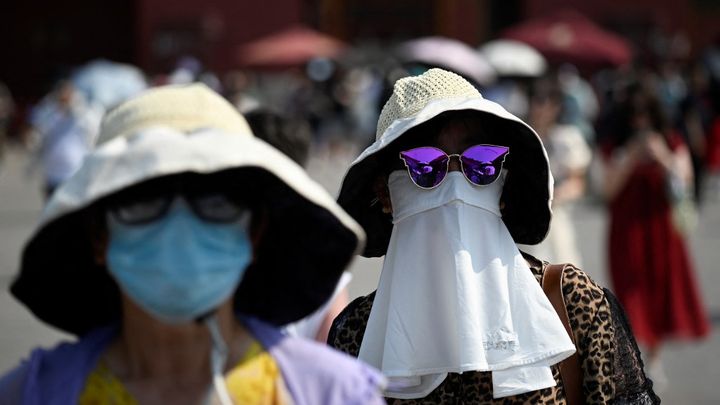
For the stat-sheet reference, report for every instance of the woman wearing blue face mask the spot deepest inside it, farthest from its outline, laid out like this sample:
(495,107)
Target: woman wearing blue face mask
(173,254)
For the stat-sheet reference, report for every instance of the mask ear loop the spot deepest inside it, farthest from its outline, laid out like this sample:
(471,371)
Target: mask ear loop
(218,358)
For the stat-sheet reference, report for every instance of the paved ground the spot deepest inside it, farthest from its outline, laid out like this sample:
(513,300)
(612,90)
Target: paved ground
(693,369)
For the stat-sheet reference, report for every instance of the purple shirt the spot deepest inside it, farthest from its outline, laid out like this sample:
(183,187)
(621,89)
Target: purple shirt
(313,373)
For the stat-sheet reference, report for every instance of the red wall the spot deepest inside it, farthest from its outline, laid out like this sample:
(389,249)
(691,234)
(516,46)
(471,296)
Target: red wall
(209,30)
(44,39)
(697,18)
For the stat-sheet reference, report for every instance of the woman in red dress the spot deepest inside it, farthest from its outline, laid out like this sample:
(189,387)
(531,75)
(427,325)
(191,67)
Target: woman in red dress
(650,265)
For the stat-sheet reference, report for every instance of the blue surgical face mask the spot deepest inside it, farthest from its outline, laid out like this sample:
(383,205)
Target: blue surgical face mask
(179,267)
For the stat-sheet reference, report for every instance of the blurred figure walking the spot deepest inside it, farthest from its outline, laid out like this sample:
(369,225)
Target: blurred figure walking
(648,167)
(65,126)
(7,108)
(569,157)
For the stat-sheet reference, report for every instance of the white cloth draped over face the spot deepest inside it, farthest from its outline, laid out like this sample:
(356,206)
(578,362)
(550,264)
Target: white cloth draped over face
(456,295)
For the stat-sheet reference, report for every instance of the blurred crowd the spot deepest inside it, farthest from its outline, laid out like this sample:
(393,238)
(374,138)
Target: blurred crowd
(580,107)
(337,100)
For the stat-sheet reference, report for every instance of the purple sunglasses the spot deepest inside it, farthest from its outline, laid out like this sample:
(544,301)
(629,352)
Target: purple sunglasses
(428,166)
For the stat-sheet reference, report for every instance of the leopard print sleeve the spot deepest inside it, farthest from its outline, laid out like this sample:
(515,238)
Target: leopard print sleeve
(348,328)
(589,319)
(604,344)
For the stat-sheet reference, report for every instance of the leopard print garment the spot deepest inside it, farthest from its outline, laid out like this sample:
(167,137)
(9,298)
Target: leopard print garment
(613,371)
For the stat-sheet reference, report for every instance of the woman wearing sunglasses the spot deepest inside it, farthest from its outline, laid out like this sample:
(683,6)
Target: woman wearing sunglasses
(452,183)
(173,254)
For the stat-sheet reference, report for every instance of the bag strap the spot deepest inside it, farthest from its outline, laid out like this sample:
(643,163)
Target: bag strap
(570,371)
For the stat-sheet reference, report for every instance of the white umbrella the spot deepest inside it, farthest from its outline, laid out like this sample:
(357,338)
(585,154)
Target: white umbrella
(449,54)
(108,83)
(513,58)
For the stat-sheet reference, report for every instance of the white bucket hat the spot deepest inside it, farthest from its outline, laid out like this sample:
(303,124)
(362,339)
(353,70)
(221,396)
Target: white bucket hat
(173,130)
(418,99)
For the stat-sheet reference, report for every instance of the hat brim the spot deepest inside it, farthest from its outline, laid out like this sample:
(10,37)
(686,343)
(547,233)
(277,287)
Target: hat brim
(527,193)
(307,243)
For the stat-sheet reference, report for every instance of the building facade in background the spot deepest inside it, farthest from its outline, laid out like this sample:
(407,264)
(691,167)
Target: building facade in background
(44,39)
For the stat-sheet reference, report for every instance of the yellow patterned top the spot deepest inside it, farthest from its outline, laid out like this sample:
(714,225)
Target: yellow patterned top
(255,380)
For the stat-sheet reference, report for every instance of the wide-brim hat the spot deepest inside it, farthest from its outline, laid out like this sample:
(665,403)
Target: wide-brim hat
(528,189)
(307,242)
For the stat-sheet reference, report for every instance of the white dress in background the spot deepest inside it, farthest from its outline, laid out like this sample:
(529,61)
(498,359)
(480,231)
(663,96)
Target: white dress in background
(568,152)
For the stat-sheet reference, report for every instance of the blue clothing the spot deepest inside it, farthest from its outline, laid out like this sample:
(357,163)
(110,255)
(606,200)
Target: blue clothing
(313,373)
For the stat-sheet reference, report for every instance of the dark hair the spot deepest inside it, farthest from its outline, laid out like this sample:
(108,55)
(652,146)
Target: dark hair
(636,99)
(547,88)
(291,136)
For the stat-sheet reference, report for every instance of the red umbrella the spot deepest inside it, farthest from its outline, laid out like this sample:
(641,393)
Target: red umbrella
(568,36)
(290,47)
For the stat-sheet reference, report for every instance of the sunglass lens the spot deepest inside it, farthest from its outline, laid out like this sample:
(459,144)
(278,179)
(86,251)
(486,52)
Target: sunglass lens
(427,166)
(140,212)
(482,163)
(216,207)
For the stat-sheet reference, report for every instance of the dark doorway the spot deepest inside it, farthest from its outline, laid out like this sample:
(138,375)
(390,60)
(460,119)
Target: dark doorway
(504,13)
(45,39)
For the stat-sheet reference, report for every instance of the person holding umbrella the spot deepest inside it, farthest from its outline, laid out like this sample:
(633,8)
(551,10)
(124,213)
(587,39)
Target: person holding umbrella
(173,254)
(452,183)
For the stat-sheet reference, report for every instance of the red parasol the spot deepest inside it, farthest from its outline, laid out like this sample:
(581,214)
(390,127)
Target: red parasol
(290,47)
(568,36)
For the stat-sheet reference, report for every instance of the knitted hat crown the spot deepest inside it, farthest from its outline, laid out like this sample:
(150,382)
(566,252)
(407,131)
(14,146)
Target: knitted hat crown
(184,107)
(412,94)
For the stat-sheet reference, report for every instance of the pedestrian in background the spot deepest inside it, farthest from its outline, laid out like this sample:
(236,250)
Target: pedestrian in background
(7,110)
(65,126)
(173,254)
(648,174)
(569,156)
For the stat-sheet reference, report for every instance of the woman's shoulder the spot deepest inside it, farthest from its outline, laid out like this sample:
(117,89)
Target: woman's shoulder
(56,370)
(315,372)
(580,289)
(586,304)
(316,356)
(582,295)
(584,298)
(348,328)
(320,374)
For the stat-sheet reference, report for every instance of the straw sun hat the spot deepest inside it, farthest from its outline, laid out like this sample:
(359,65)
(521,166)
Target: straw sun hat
(307,242)
(418,99)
